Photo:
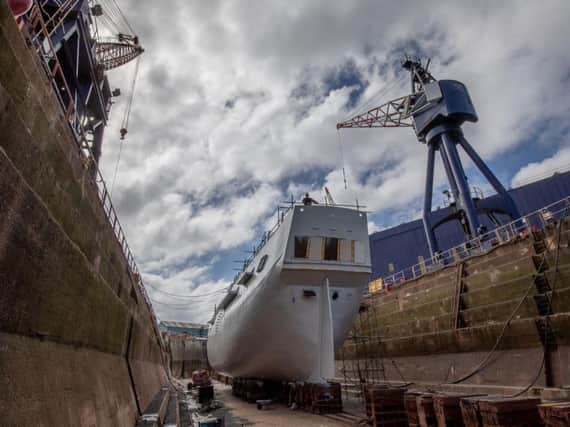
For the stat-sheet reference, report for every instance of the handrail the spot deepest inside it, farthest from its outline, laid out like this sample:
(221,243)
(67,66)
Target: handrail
(482,244)
(36,25)
(282,210)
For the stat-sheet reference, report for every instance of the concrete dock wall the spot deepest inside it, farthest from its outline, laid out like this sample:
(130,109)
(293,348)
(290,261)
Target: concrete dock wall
(187,354)
(440,327)
(78,345)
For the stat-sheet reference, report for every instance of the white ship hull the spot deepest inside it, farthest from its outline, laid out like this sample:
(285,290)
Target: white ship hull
(286,321)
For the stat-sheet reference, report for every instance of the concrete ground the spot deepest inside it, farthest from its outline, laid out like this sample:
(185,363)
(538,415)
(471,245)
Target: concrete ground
(240,413)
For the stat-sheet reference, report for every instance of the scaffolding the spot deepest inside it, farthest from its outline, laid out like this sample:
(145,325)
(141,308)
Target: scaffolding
(362,363)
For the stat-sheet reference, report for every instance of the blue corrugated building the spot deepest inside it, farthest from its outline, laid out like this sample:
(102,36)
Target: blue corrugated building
(400,247)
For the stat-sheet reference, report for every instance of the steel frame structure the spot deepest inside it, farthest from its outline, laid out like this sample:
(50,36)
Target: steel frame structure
(436,110)
(113,54)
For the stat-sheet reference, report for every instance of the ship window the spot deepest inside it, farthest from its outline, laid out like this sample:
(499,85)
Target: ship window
(331,249)
(301,247)
(315,248)
(347,250)
(261,263)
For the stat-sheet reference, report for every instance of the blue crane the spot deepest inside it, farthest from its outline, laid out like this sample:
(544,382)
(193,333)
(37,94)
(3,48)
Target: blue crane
(436,109)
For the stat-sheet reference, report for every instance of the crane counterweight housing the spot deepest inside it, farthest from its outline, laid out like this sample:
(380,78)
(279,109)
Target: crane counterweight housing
(443,101)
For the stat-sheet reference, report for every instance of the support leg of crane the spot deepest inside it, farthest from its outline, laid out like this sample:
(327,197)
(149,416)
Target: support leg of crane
(499,188)
(432,242)
(449,173)
(448,143)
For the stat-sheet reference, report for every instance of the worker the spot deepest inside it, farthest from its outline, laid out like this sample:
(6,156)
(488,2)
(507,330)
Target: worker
(308,200)
(547,216)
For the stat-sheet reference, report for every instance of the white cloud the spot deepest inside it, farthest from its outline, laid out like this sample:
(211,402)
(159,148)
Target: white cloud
(558,162)
(216,138)
(179,297)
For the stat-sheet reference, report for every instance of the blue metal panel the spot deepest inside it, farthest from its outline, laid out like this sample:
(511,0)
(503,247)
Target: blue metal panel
(196,332)
(403,244)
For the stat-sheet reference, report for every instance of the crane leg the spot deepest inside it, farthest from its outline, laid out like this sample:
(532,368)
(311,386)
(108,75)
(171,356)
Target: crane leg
(467,205)
(428,194)
(499,188)
(449,173)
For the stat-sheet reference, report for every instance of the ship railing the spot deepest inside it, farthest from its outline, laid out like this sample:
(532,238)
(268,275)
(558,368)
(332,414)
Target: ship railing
(281,211)
(39,38)
(482,244)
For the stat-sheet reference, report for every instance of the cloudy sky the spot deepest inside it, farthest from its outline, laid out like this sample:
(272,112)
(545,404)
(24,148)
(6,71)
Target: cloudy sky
(236,105)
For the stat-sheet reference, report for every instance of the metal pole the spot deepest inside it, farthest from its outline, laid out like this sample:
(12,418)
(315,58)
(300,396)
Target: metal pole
(428,194)
(449,173)
(459,174)
(499,188)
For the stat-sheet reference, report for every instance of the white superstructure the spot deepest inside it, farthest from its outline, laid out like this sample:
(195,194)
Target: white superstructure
(296,300)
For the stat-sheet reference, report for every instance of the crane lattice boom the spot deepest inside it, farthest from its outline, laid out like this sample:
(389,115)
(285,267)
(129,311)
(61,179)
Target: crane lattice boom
(395,113)
(113,54)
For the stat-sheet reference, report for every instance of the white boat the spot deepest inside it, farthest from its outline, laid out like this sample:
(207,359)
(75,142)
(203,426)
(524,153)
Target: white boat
(295,300)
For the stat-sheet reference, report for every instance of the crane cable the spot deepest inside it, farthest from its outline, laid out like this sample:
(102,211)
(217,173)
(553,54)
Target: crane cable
(363,108)
(129,105)
(123,17)
(342,159)
(125,122)
(375,98)
(552,295)
(114,18)
(219,291)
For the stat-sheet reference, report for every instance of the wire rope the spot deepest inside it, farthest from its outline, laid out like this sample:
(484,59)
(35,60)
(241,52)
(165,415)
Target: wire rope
(189,296)
(125,123)
(481,365)
(116,167)
(342,159)
(129,105)
(126,22)
(375,98)
(552,290)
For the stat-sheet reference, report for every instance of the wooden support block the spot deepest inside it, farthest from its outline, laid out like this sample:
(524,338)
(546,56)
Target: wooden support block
(510,412)
(385,405)
(412,407)
(426,412)
(470,412)
(555,414)
(448,410)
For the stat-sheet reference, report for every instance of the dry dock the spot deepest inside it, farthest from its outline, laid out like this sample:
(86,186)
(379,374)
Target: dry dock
(239,413)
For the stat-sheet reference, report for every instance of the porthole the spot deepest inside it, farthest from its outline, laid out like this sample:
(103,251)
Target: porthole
(261,263)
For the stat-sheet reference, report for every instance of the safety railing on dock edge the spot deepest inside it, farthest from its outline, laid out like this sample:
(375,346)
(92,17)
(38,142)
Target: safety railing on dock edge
(483,243)
(39,39)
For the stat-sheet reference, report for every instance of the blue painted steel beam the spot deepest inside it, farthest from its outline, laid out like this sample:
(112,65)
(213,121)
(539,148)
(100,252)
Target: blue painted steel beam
(449,173)
(499,188)
(430,235)
(448,143)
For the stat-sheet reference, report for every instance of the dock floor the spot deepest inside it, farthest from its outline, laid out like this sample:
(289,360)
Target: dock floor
(240,413)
